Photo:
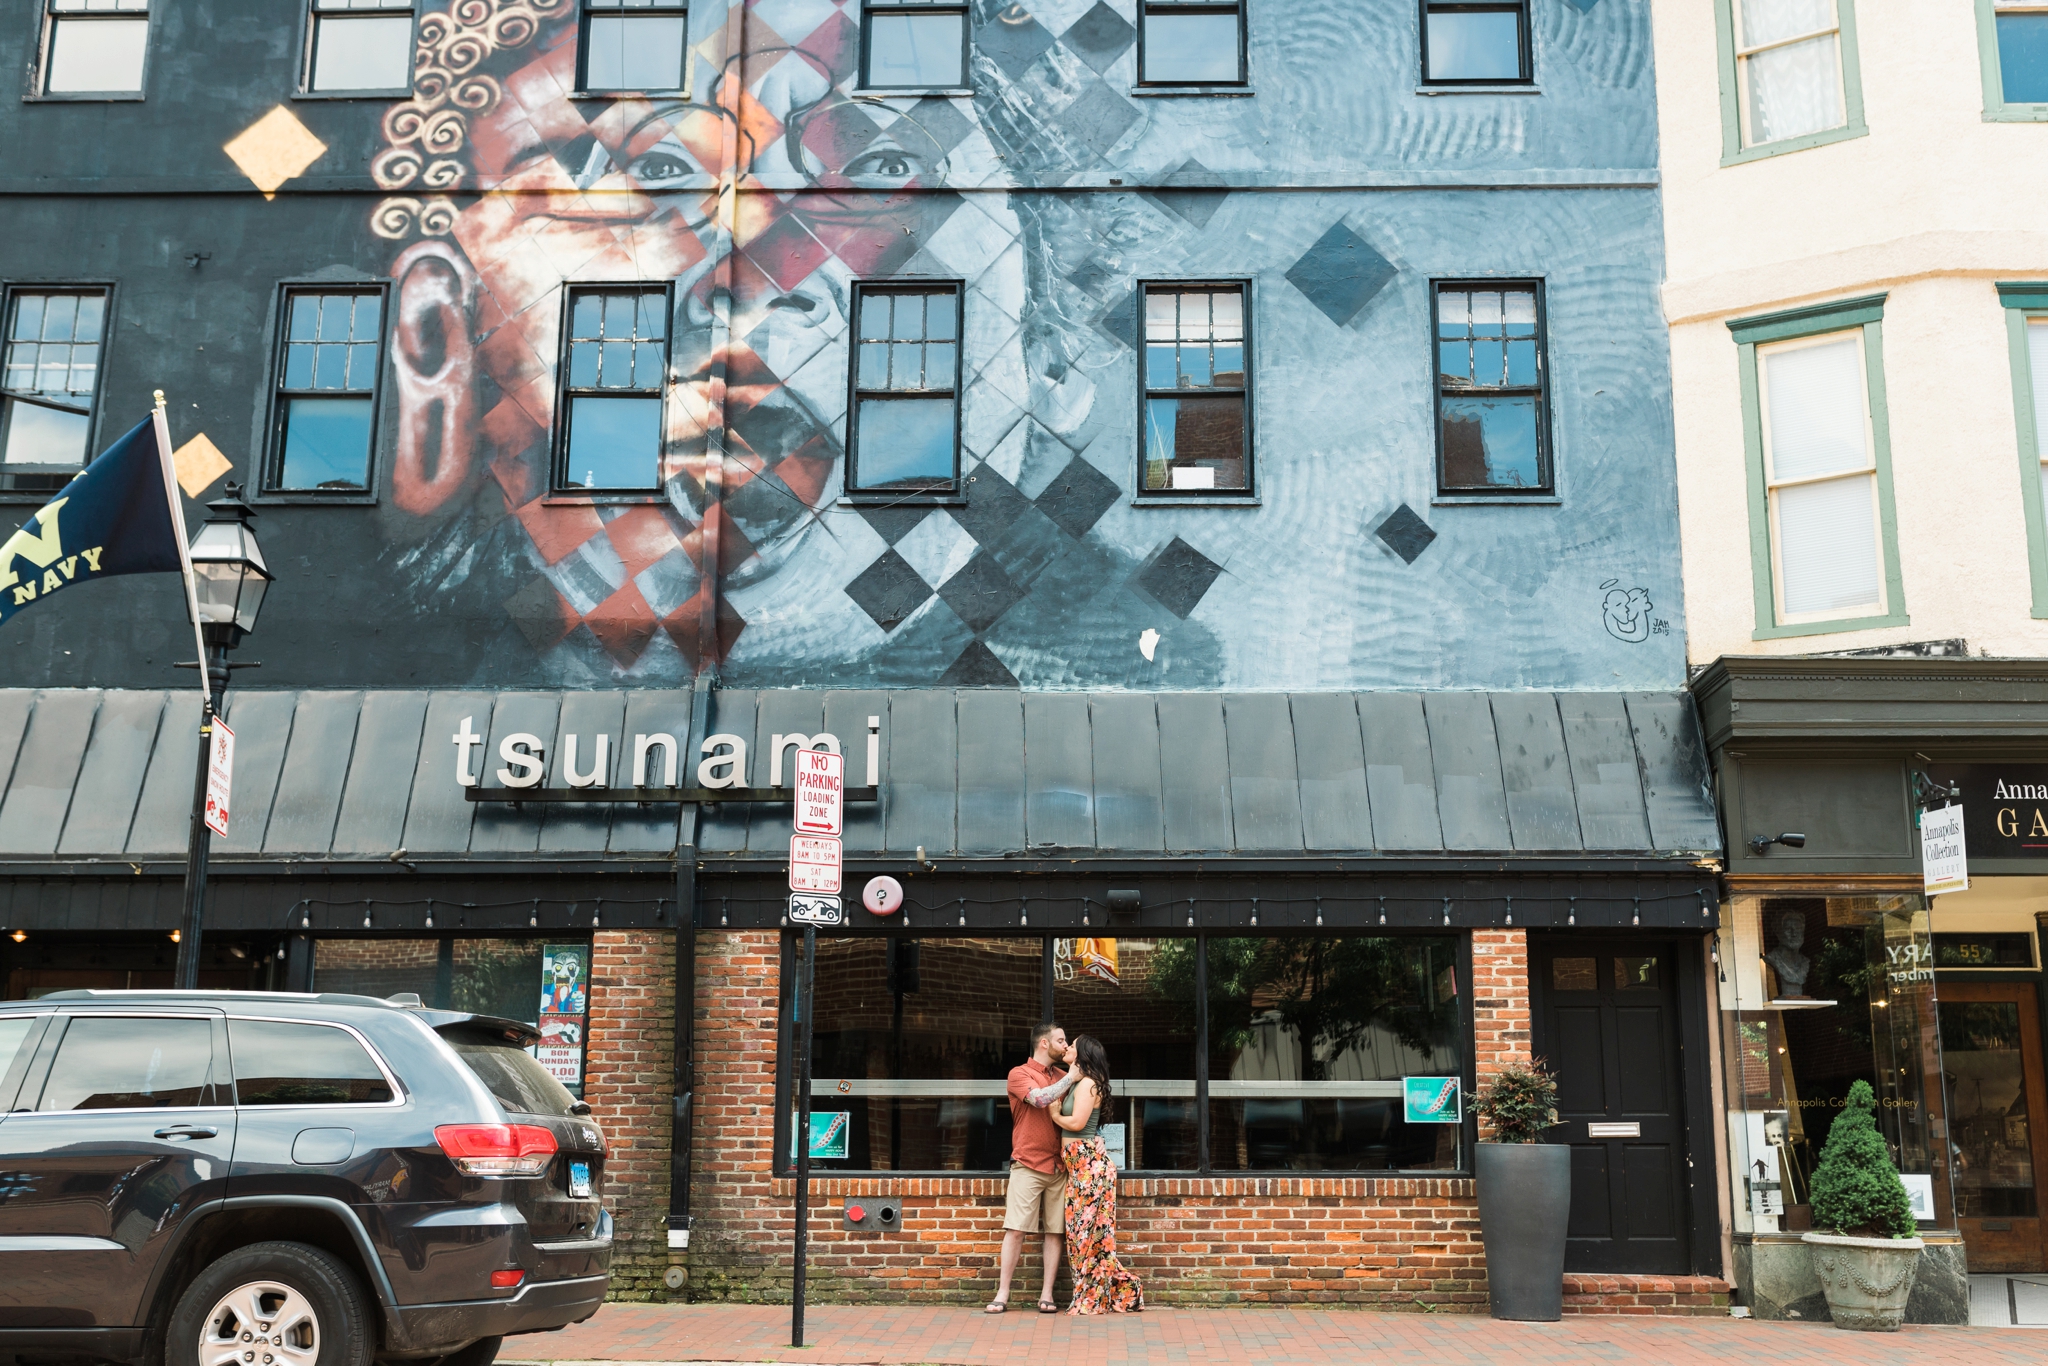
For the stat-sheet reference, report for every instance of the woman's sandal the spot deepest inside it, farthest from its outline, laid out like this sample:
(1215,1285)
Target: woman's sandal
(1048,1307)
(997,1307)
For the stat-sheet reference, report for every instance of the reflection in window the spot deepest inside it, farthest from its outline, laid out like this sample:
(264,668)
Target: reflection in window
(914,1040)
(1196,439)
(95,47)
(914,44)
(49,373)
(1491,382)
(2023,50)
(131,1064)
(1485,42)
(1308,1042)
(906,386)
(277,1063)
(361,45)
(1788,68)
(1138,997)
(327,392)
(1635,974)
(1983,1060)
(1574,974)
(1191,42)
(634,44)
(614,379)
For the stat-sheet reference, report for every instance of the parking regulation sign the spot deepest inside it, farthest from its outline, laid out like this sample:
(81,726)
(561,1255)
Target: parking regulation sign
(806,908)
(820,792)
(814,862)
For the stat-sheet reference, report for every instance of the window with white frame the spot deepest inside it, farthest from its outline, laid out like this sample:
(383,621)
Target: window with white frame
(635,45)
(913,45)
(1788,69)
(94,47)
(360,45)
(49,377)
(2037,365)
(1821,479)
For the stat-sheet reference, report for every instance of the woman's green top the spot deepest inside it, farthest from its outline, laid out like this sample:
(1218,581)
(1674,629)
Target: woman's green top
(1094,1125)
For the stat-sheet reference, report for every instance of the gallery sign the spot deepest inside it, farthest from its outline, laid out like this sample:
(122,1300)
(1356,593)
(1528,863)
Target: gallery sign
(2004,808)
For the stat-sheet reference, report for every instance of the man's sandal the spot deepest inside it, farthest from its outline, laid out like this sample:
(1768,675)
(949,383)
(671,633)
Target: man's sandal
(1048,1307)
(997,1307)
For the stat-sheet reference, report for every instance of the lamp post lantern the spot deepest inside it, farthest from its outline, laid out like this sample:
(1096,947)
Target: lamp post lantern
(229,580)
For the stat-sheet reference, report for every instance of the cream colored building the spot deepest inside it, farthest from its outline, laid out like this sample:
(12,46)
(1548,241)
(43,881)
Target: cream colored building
(1857,289)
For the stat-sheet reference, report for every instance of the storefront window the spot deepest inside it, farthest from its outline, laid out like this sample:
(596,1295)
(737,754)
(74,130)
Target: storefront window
(1817,993)
(1308,1042)
(1138,997)
(1982,1054)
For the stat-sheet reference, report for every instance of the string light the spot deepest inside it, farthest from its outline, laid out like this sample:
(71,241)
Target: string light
(1383,910)
(1447,910)
(1511,910)
(1255,912)
(1571,914)
(1319,910)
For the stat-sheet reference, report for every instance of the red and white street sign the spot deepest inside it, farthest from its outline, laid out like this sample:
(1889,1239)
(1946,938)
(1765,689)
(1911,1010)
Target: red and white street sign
(220,763)
(814,862)
(820,792)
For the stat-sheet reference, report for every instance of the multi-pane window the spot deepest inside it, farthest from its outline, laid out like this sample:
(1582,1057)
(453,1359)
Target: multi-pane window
(361,45)
(94,47)
(913,44)
(2021,33)
(327,390)
(2037,366)
(1820,478)
(49,373)
(906,388)
(1307,1040)
(1788,69)
(1492,420)
(1197,430)
(1482,42)
(635,44)
(1191,42)
(614,379)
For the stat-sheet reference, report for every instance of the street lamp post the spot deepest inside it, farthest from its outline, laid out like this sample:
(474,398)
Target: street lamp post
(229,579)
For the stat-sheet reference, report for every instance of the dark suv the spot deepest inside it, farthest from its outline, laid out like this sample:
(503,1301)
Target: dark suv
(267,1179)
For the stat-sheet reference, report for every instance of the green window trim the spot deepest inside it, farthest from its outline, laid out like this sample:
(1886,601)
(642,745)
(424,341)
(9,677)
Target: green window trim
(2023,303)
(1996,110)
(1865,314)
(1733,151)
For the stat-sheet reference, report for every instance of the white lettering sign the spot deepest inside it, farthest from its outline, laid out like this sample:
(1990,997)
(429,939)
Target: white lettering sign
(1944,864)
(820,792)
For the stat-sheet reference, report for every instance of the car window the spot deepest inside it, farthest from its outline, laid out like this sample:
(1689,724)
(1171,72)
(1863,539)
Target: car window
(131,1063)
(513,1075)
(277,1063)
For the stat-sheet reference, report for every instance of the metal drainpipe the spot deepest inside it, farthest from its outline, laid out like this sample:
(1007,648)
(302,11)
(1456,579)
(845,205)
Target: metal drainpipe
(682,1127)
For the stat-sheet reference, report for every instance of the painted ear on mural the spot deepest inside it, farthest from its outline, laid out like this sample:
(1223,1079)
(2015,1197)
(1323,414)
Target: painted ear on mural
(434,353)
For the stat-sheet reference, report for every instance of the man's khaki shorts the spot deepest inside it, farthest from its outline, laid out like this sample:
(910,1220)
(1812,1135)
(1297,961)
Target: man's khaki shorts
(1037,1202)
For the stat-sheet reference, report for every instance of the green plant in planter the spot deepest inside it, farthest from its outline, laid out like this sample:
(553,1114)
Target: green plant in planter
(1856,1189)
(1520,1103)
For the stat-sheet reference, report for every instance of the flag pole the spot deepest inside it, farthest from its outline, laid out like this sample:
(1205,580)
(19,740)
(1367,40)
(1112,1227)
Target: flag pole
(163,454)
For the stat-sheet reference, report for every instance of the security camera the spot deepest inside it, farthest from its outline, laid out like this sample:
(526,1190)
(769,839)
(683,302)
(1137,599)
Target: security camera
(1761,844)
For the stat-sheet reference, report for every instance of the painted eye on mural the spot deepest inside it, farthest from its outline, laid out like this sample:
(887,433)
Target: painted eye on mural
(662,166)
(884,163)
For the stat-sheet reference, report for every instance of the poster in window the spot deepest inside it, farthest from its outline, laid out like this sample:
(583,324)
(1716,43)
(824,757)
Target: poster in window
(1097,958)
(564,1008)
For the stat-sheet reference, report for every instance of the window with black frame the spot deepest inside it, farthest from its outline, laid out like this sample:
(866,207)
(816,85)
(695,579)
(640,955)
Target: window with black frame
(905,423)
(327,379)
(1307,1041)
(614,382)
(635,45)
(1191,42)
(913,45)
(1476,42)
(359,46)
(49,377)
(1493,411)
(1197,423)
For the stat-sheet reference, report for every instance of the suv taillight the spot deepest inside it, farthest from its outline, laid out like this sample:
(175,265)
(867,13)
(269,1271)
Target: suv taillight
(497,1150)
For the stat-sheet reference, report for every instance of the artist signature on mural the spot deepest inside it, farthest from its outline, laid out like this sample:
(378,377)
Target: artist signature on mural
(1625,612)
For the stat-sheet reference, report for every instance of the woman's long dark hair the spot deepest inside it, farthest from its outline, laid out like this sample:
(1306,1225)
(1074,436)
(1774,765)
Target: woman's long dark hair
(1091,1060)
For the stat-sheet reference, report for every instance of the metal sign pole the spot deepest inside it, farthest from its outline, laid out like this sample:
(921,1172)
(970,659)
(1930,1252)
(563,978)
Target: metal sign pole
(805,987)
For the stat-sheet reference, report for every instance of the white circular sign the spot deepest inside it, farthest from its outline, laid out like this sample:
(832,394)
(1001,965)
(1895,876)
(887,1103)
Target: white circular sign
(883,895)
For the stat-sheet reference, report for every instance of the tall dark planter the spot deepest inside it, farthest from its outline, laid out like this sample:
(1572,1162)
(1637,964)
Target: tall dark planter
(1525,1203)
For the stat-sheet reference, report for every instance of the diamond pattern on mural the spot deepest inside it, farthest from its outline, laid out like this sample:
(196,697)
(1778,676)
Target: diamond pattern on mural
(1405,533)
(1099,37)
(1178,577)
(1341,273)
(889,590)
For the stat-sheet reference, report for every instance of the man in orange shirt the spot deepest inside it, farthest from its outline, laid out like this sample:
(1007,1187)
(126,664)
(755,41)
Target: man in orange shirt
(1037,1195)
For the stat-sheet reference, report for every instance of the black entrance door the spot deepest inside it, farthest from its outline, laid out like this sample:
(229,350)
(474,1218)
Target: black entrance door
(1606,1020)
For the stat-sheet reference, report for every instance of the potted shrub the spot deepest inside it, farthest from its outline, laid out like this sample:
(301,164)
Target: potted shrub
(1525,1194)
(1865,1252)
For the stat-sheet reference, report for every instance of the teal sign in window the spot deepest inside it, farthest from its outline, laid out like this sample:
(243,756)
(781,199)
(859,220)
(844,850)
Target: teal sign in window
(1431,1100)
(828,1135)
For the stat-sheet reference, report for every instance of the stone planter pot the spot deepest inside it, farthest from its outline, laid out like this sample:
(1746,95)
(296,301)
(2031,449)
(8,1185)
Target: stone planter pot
(1525,1202)
(1866,1280)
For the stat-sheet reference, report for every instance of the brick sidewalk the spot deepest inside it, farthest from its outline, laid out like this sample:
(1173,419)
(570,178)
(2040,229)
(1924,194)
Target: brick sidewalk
(842,1334)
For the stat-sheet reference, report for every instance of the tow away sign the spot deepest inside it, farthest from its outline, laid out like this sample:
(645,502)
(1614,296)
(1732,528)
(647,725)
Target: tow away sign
(806,908)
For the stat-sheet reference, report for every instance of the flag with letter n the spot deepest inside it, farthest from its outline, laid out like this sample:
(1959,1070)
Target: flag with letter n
(115,518)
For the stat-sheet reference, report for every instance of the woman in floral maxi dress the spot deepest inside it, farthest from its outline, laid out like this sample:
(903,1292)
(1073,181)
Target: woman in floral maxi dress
(1101,1284)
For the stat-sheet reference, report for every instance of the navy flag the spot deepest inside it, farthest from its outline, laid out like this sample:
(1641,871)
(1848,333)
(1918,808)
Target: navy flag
(115,518)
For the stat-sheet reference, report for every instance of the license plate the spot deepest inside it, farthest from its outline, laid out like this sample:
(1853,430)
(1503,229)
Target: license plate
(579,1179)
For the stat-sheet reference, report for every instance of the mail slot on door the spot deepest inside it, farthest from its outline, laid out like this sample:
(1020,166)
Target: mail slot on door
(1632,1129)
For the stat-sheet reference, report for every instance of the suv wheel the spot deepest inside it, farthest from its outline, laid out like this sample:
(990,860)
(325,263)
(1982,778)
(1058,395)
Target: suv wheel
(272,1304)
